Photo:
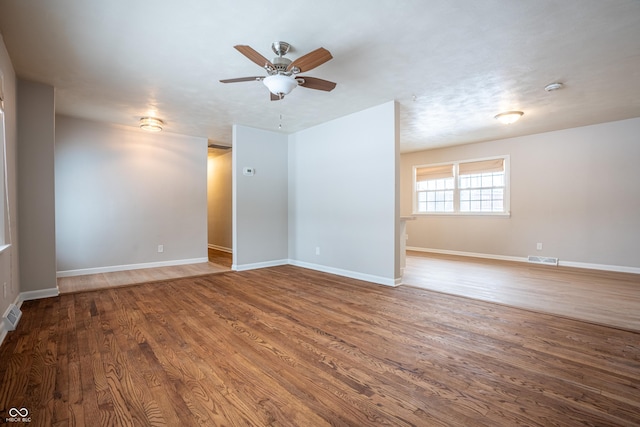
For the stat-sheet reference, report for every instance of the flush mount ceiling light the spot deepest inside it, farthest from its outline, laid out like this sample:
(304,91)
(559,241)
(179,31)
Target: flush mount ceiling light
(553,86)
(151,124)
(280,84)
(509,117)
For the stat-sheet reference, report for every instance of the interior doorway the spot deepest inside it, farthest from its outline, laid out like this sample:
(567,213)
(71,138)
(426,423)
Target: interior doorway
(219,204)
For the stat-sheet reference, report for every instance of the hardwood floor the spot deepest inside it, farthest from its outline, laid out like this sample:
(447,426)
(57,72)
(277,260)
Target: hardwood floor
(220,258)
(602,297)
(219,261)
(294,347)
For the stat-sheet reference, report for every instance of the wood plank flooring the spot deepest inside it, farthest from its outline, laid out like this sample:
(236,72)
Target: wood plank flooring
(603,297)
(219,262)
(288,346)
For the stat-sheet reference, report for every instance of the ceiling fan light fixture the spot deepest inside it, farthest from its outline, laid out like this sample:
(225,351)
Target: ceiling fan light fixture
(151,124)
(509,117)
(280,84)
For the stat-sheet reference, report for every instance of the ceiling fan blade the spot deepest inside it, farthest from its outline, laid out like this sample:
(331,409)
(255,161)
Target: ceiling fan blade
(243,79)
(253,55)
(315,83)
(275,97)
(311,60)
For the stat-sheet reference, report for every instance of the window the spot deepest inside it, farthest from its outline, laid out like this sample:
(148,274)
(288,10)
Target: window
(3,181)
(435,188)
(465,187)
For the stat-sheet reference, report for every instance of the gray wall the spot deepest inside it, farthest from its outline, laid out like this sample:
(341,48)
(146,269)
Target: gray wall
(576,191)
(260,201)
(121,192)
(9,267)
(36,193)
(343,197)
(219,200)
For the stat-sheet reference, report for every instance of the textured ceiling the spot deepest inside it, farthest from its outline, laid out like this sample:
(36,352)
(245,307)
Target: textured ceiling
(451,64)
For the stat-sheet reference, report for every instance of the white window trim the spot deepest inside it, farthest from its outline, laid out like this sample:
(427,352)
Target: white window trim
(456,191)
(5,225)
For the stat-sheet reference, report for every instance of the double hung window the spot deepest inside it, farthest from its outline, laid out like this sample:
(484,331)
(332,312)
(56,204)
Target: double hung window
(4,205)
(464,187)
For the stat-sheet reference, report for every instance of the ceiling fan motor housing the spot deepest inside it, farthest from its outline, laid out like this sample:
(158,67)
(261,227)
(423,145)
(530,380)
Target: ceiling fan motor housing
(280,64)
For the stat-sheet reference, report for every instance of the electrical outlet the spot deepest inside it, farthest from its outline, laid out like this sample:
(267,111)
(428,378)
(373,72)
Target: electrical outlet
(4,290)
(160,249)
(317,250)
(539,246)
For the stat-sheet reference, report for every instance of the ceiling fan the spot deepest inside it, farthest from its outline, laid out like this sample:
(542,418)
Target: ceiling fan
(282,73)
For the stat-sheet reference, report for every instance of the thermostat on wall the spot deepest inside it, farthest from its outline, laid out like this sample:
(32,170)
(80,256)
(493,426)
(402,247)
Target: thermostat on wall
(247,171)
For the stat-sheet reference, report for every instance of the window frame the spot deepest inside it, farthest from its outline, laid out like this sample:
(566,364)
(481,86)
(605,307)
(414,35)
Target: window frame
(4,202)
(456,188)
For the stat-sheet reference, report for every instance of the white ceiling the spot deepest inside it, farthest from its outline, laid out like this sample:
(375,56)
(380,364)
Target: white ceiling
(452,65)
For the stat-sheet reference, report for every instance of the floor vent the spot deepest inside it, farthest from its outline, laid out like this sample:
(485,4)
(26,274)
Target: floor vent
(12,316)
(542,260)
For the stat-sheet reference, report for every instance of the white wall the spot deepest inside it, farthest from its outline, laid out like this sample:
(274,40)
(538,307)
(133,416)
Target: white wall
(36,195)
(9,267)
(121,192)
(260,201)
(576,191)
(342,196)
(219,200)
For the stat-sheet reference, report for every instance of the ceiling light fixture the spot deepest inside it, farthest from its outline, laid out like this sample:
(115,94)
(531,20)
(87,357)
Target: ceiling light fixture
(509,117)
(151,124)
(280,84)
(553,86)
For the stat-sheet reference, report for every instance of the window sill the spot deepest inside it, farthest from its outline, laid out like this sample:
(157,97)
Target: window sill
(4,248)
(466,214)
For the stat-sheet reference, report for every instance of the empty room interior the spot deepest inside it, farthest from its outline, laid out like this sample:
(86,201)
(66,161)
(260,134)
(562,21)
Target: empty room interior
(320,213)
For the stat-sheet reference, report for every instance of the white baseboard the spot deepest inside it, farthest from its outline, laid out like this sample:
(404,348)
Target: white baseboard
(337,271)
(574,264)
(603,267)
(468,254)
(220,248)
(256,265)
(3,331)
(347,273)
(42,293)
(114,268)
